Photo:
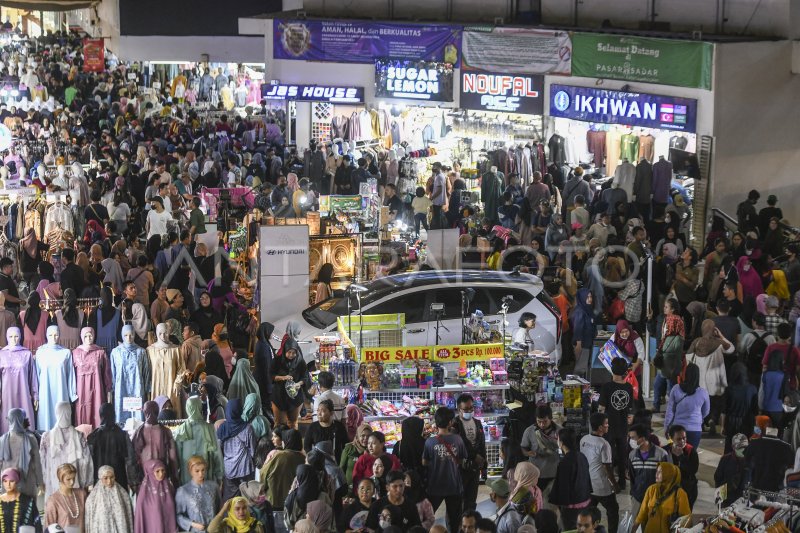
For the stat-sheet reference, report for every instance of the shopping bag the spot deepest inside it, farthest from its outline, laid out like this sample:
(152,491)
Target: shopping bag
(631,378)
(625,523)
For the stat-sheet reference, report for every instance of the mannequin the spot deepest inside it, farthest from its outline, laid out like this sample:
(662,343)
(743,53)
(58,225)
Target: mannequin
(491,191)
(93,379)
(20,382)
(111,446)
(196,437)
(154,441)
(168,368)
(69,320)
(19,449)
(130,374)
(66,507)
(7,318)
(56,379)
(65,445)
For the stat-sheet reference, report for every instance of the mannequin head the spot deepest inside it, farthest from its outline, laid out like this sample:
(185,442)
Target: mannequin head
(13,337)
(87,336)
(52,335)
(128,335)
(162,332)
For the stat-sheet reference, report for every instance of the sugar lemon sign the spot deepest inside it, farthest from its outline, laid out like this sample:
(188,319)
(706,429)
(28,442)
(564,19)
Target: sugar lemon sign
(441,354)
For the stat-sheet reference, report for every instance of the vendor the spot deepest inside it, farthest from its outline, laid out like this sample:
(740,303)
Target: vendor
(524,335)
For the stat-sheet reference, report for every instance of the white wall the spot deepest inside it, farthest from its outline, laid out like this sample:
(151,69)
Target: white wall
(163,48)
(757,142)
(771,17)
(462,10)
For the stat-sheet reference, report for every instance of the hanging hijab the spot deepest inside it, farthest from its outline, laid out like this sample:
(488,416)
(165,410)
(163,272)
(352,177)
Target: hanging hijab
(155,503)
(108,509)
(34,312)
(353,418)
(242,382)
(707,343)
(750,280)
(236,525)
(16,425)
(670,482)
(70,311)
(691,380)
(29,243)
(139,321)
(233,424)
(253,415)
(626,346)
(107,305)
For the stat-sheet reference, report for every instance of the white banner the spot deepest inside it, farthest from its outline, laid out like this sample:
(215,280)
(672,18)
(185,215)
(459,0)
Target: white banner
(518,51)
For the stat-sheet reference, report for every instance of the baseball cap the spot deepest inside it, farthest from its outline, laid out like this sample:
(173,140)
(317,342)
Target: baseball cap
(499,486)
(739,442)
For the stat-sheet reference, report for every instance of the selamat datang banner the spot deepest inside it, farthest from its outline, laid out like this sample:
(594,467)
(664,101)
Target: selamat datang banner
(517,51)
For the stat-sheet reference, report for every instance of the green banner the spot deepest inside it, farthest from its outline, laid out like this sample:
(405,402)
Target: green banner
(665,61)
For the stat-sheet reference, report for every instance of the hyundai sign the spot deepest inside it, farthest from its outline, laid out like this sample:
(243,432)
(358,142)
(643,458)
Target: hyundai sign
(631,109)
(312,93)
(510,93)
(414,80)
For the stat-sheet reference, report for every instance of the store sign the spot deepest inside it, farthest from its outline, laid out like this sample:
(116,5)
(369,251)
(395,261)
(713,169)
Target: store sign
(94,55)
(631,109)
(354,41)
(442,354)
(312,93)
(518,50)
(523,94)
(416,80)
(340,204)
(664,61)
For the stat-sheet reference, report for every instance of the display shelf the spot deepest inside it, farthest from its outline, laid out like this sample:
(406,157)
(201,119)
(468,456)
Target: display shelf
(445,388)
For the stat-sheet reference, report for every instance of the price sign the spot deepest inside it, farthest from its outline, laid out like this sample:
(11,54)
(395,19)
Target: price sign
(156,85)
(131,403)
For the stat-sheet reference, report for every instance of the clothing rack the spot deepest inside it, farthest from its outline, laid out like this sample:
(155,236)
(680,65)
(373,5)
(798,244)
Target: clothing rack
(51,305)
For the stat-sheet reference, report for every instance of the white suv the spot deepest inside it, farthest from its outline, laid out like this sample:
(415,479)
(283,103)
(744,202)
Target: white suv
(413,294)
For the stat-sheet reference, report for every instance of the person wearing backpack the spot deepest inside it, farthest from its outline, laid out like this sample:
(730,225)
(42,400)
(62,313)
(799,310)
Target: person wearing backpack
(789,352)
(753,347)
(773,389)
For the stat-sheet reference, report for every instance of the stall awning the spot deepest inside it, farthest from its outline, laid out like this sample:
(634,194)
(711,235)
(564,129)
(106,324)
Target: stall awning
(48,5)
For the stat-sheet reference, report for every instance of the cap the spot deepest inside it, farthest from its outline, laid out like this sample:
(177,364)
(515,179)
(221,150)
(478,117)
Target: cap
(499,486)
(577,225)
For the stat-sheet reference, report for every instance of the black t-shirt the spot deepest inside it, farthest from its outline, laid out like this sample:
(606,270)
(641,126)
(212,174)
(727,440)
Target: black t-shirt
(617,398)
(394,203)
(96,212)
(729,326)
(354,510)
(768,459)
(7,284)
(408,510)
(736,308)
(336,433)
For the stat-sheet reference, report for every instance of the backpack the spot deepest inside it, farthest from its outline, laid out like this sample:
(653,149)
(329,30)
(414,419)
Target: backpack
(755,354)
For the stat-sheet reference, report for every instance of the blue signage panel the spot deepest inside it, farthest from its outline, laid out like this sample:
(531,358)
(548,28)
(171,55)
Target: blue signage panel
(312,93)
(616,107)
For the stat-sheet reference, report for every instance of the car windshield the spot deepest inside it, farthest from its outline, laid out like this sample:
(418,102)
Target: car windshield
(324,314)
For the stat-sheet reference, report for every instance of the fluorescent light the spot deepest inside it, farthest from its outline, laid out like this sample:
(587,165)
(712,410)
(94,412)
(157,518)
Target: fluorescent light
(412,95)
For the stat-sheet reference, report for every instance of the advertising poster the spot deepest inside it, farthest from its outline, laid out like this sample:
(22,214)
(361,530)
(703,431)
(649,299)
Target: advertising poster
(518,50)
(94,55)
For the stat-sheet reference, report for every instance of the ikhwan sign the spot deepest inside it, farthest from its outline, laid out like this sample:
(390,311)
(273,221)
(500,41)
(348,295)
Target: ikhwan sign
(616,107)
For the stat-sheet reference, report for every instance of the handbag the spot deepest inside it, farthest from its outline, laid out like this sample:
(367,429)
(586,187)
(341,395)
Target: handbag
(630,377)
(658,360)
(617,309)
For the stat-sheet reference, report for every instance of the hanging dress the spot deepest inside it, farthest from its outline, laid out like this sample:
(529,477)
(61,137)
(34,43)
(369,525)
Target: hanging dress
(93,377)
(130,374)
(19,383)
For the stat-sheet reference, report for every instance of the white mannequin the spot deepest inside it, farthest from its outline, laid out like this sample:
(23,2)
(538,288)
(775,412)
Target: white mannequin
(162,333)
(128,337)
(87,337)
(53,335)
(13,337)
(61,171)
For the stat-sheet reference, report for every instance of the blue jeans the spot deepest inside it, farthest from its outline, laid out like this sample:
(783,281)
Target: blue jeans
(693,438)
(420,218)
(661,386)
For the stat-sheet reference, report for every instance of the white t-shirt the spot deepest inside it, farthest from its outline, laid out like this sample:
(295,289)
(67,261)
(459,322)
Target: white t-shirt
(440,183)
(523,337)
(158,222)
(597,451)
(119,212)
(339,404)
(470,430)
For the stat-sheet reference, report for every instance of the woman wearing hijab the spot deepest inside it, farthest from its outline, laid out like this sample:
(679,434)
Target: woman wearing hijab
(206,316)
(583,330)
(114,277)
(749,278)
(154,441)
(222,293)
(353,418)
(688,405)
(308,490)
(220,337)
(741,404)
(263,355)
(242,381)
(773,389)
(48,287)
(31,254)
(353,450)
(108,507)
(707,353)
(34,323)
(774,239)
(93,227)
(16,508)
(155,502)
(235,517)
(289,373)
(673,334)
(409,449)
(321,514)
(165,409)
(196,438)
(106,321)
(65,444)
(663,500)
(140,324)
(215,366)
(110,445)
(238,444)
(527,495)
(70,321)
(214,401)
(19,450)
(278,472)
(252,414)
(630,344)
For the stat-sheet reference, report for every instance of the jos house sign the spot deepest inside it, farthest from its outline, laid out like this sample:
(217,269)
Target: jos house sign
(417,80)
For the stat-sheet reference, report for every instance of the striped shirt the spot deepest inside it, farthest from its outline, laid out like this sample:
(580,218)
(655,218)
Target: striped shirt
(643,471)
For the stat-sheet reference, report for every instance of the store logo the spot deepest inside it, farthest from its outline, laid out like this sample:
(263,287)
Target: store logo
(561,100)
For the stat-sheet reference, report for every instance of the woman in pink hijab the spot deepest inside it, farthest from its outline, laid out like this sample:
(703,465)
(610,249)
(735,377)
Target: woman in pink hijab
(749,278)
(353,419)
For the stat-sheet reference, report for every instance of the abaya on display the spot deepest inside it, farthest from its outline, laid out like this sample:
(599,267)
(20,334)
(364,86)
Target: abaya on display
(108,509)
(110,445)
(198,437)
(130,372)
(93,376)
(20,450)
(19,379)
(155,503)
(167,372)
(154,441)
(56,380)
(65,444)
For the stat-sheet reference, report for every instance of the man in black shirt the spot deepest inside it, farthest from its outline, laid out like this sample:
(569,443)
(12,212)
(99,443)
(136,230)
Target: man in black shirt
(768,458)
(95,210)
(72,277)
(729,293)
(326,429)
(616,400)
(395,204)
(395,485)
(8,286)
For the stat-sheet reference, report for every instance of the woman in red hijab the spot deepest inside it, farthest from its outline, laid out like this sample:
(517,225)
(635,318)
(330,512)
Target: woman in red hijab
(93,227)
(630,344)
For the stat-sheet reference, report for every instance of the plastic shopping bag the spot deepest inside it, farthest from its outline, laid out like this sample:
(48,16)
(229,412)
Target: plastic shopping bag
(625,523)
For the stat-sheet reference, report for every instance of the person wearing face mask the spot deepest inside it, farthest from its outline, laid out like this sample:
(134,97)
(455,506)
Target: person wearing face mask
(643,461)
(732,470)
(395,496)
(471,431)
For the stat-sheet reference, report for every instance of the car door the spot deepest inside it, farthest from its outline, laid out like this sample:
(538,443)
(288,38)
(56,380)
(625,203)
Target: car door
(450,323)
(413,304)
